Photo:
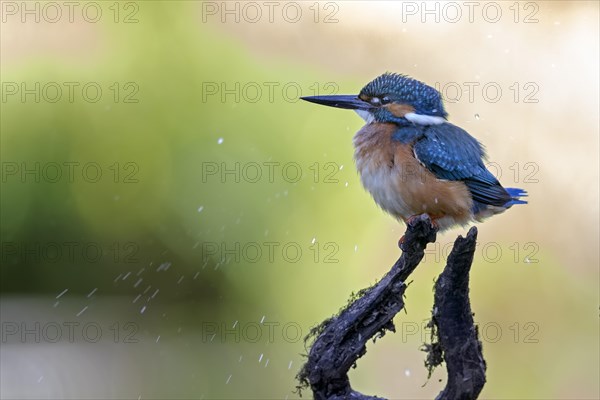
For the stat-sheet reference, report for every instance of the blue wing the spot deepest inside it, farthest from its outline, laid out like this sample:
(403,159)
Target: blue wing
(452,154)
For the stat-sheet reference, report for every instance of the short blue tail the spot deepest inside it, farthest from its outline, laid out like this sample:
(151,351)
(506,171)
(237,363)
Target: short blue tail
(516,194)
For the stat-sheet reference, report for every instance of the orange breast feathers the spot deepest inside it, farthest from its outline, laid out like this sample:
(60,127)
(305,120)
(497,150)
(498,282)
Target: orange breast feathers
(401,185)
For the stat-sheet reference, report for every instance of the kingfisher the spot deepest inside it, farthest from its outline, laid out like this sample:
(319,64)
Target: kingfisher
(413,161)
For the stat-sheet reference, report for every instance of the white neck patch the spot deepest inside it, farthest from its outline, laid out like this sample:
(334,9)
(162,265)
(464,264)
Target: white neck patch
(424,119)
(367,116)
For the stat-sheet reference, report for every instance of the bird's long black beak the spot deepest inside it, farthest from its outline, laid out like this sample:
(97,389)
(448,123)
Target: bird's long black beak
(349,102)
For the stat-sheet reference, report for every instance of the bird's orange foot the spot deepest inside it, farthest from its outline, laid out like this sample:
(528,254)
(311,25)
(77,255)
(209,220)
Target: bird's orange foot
(407,221)
(411,219)
(433,219)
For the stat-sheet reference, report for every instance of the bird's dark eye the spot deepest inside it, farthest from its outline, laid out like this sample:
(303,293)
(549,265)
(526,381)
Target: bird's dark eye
(385,100)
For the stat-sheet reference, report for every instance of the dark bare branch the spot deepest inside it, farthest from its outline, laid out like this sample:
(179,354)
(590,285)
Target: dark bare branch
(342,339)
(454,324)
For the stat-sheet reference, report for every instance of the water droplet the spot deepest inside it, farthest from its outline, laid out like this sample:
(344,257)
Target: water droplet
(61,293)
(407,372)
(313,240)
(290,364)
(92,292)
(346,184)
(234,325)
(341,167)
(228,379)
(82,311)
(158,338)
(355,248)
(262,319)
(200,208)
(143,309)
(163,267)
(476,116)
(40,379)
(138,282)
(220,141)
(266,363)
(261,357)
(180,279)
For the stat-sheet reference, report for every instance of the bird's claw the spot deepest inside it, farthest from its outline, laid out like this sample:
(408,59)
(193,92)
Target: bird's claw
(412,220)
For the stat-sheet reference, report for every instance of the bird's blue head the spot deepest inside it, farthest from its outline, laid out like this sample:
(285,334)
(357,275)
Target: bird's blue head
(392,98)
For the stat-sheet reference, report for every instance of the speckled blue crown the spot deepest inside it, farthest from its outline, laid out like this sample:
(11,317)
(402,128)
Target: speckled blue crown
(403,89)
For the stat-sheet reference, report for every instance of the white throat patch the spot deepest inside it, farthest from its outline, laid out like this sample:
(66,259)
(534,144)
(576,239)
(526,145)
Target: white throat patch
(418,119)
(424,119)
(367,116)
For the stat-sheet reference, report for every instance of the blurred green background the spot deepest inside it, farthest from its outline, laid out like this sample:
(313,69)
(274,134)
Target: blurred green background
(177,233)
